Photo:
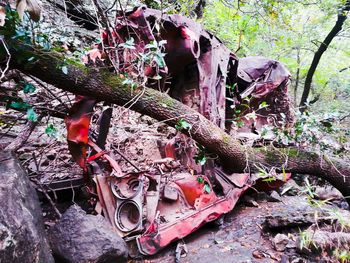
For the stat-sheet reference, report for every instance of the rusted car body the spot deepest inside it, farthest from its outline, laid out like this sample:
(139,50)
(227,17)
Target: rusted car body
(150,209)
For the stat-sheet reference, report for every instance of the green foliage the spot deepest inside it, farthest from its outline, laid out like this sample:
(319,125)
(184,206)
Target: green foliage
(155,53)
(323,132)
(31,115)
(129,82)
(289,31)
(263,105)
(335,215)
(28,87)
(342,255)
(51,130)
(18,104)
(267,176)
(129,44)
(306,240)
(206,188)
(182,125)
(201,156)
(200,179)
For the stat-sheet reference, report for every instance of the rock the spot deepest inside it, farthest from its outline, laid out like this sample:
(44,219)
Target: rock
(344,205)
(82,238)
(320,240)
(293,217)
(284,259)
(260,197)
(275,197)
(295,259)
(22,234)
(280,242)
(328,193)
(291,188)
(249,201)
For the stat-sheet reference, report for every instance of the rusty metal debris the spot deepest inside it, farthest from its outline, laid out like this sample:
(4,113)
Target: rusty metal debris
(150,209)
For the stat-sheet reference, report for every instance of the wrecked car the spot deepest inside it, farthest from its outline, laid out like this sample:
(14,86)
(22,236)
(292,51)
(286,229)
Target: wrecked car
(151,209)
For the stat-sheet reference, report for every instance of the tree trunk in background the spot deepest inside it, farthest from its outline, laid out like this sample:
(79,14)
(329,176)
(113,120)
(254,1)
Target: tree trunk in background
(200,8)
(342,16)
(297,78)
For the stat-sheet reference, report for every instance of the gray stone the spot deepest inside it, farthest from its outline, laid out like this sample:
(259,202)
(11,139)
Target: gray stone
(295,216)
(280,242)
(328,193)
(82,238)
(291,188)
(315,240)
(22,234)
(275,197)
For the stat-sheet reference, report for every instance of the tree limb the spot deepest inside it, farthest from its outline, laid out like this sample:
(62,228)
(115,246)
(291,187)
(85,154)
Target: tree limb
(105,86)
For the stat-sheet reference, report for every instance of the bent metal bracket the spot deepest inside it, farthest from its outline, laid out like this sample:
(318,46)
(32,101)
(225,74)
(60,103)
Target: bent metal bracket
(150,209)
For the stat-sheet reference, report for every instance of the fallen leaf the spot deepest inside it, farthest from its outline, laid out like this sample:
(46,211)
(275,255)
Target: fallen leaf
(93,55)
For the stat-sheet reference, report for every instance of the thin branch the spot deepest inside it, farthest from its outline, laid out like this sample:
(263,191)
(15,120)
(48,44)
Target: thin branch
(3,72)
(24,135)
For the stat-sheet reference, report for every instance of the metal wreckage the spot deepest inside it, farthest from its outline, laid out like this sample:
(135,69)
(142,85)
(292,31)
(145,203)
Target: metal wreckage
(150,209)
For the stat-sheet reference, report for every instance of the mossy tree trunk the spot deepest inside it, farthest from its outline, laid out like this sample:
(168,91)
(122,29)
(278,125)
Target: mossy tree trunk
(105,86)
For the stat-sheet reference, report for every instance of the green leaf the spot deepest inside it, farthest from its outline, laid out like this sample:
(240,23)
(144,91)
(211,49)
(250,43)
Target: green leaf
(200,159)
(18,105)
(240,124)
(269,179)
(182,124)
(200,179)
(51,130)
(31,115)
(152,45)
(159,60)
(232,88)
(129,44)
(206,188)
(263,105)
(28,88)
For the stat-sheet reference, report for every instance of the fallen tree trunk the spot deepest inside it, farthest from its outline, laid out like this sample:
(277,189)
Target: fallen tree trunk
(105,86)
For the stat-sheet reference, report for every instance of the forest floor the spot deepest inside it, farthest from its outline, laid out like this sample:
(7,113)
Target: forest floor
(247,234)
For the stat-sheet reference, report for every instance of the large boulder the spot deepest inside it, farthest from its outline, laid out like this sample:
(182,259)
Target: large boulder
(82,238)
(22,234)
